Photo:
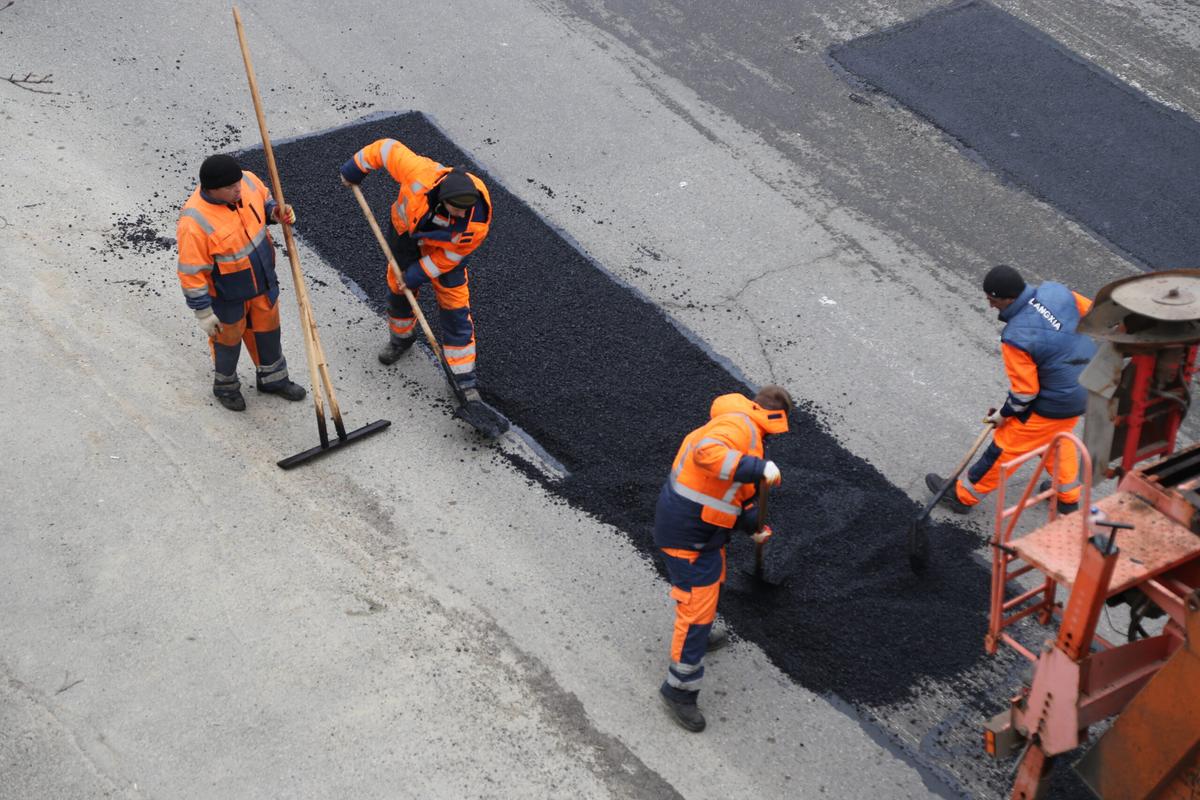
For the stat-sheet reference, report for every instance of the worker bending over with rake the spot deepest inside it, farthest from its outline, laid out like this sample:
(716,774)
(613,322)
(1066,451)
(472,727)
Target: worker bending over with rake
(440,217)
(227,271)
(712,484)
(1044,357)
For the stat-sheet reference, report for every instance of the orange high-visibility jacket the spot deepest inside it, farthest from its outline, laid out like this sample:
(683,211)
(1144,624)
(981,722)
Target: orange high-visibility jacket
(718,463)
(226,252)
(417,175)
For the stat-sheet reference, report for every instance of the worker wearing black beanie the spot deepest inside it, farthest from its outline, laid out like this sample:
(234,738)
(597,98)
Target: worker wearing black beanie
(219,171)
(227,273)
(1003,282)
(1043,357)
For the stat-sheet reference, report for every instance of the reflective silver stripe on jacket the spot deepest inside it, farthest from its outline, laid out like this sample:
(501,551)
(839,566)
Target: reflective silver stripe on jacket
(201,291)
(452,256)
(1020,401)
(703,499)
(431,269)
(388,144)
(731,456)
(245,250)
(199,218)
(192,269)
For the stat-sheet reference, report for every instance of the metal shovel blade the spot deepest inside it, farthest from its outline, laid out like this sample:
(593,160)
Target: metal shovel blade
(755,581)
(483,418)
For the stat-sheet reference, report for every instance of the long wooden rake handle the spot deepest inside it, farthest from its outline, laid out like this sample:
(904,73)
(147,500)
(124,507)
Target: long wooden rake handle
(318,370)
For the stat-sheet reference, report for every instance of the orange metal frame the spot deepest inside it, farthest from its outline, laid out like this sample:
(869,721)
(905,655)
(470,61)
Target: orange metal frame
(1041,599)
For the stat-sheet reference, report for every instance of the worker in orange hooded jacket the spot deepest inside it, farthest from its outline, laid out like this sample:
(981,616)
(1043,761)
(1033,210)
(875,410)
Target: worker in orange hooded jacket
(440,217)
(712,484)
(227,272)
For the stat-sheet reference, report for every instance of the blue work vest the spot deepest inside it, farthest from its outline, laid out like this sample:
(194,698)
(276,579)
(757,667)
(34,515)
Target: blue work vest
(1042,321)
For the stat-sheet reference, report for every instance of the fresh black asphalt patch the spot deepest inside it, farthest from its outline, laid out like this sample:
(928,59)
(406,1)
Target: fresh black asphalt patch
(609,386)
(1048,120)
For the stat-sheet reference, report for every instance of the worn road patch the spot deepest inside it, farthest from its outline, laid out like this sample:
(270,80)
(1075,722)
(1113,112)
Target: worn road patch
(1104,153)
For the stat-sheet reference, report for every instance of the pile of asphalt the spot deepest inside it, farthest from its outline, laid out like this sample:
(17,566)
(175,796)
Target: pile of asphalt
(1047,119)
(607,384)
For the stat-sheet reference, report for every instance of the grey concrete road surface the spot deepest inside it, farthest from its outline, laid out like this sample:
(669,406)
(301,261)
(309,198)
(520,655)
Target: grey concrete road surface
(412,617)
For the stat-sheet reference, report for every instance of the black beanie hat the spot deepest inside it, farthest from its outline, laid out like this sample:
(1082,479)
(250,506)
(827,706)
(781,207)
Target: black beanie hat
(1003,282)
(458,190)
(218,171)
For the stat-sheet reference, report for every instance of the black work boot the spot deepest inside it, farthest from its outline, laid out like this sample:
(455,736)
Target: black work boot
(395,348)
(231,400)
(284,388)
(1063,508)
(717,639)
(950,498)
(686,715)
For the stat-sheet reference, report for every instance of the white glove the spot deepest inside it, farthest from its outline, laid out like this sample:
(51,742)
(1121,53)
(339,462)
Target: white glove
(761,536)
(771,474)
(995,419)
(208,321)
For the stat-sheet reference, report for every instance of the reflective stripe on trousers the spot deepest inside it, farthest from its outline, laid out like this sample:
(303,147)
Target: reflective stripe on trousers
(696,579)
(257,326)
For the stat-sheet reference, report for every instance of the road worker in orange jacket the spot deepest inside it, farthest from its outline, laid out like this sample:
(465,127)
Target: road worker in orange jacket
(227,271)
(1044,356)
(713,482)
(440,217)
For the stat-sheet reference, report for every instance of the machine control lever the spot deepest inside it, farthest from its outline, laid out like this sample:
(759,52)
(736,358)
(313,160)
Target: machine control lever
(1107,544)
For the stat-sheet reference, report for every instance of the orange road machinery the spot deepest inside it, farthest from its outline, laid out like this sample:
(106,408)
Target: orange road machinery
(1139,547)
(318,368)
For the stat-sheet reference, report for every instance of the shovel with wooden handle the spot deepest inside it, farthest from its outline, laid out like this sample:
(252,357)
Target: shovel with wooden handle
(318,368)
(756,583)
(476,413)
(918,536)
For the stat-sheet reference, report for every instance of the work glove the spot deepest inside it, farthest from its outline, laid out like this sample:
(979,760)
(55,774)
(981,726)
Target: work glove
(771,475)
(761,536)
(995,419)
(208,321)
(284,214)
(346,182)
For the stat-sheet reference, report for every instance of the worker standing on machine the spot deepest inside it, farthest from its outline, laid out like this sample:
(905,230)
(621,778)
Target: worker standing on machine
(712,483)
(1044,357)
